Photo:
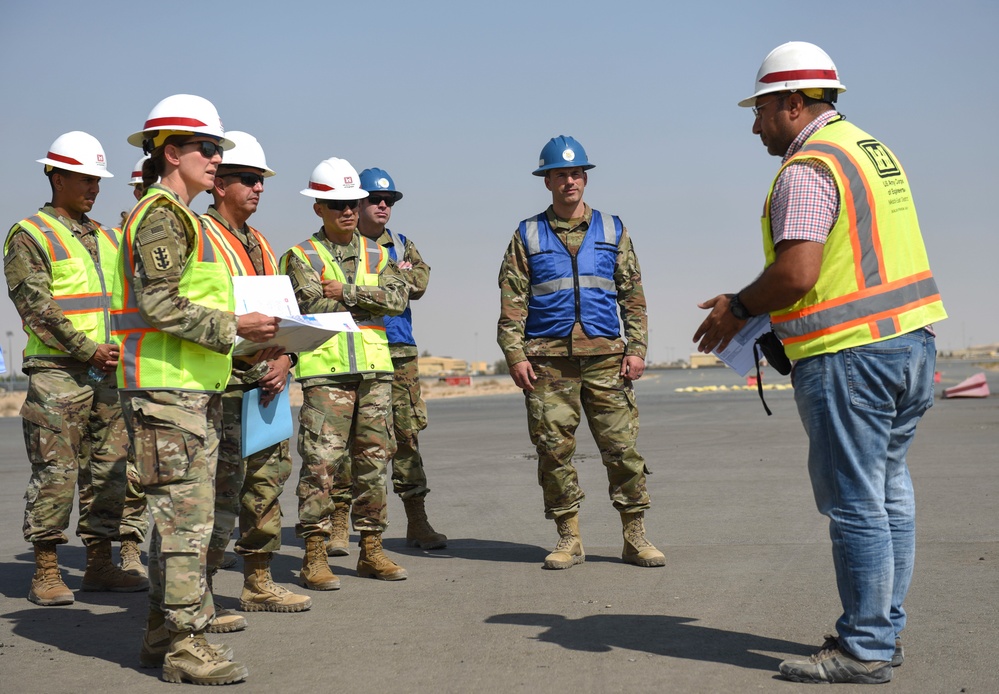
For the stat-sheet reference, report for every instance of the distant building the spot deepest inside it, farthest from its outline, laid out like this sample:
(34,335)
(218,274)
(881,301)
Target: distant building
(699,360)
(481,367)
(443,366)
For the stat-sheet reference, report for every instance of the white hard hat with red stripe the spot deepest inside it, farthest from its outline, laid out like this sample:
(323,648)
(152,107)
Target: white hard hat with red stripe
(797,66)
(136,179)
(335,179)
(77,151)
(180,114)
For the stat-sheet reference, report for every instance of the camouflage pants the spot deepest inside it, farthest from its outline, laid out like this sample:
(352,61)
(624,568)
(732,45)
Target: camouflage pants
(175,438)
(409,413)
(75,436)
(345,440)
(134,520)
(567,386)
(247,488)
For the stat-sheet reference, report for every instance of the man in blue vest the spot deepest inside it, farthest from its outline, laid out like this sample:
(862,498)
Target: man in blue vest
(409,480)
(849,290)
(566,274)
(59,265)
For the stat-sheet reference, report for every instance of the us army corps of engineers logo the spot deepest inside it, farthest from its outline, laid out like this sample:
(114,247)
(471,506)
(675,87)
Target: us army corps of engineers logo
(161,258)
(881,158)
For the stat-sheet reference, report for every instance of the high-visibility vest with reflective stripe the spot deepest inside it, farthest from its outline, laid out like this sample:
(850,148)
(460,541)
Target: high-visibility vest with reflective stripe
(875,280)
(236,257)
(346,353)
(399,328)
(567,289)
(155,360)
(81,288)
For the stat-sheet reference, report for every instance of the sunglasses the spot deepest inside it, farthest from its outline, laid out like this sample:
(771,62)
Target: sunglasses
(207,148)
(341,205)
(247,178)
(378,200)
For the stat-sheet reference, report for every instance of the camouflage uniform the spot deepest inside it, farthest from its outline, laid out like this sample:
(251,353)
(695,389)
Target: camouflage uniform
(578,374)
(345,424)
(409,411)
(174,433)
(247,488)
(73,427)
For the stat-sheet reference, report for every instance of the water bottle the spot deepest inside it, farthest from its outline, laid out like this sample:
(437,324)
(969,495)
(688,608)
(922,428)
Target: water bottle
(94,374)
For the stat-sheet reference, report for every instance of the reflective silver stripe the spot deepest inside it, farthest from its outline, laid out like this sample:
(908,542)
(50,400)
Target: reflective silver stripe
(533,242)
(204,238)
(865,216)
(371,323)
(610,230)
(58,249)
(127,354)
(83,303)
(886,327)
(585,281)
(398,244)
(867,306)
(128,321)
(374,255)
(110,236)
(315,260)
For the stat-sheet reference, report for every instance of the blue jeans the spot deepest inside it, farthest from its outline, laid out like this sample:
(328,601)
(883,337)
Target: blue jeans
(860,408)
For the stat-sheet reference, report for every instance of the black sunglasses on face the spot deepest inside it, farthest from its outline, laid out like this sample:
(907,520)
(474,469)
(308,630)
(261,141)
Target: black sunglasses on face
(341,205)
(207,148)
(247,178)
(377,200)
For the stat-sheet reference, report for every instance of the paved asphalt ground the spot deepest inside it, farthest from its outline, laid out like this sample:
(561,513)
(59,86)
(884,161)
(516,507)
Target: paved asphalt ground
(748,581)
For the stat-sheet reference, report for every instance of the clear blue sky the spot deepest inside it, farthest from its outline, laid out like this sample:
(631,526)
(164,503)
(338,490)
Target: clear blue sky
(456,99)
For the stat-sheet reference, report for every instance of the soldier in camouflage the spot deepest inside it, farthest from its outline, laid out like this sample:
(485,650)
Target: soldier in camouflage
(173,309)
(248,488)
(345,424)
(566,274)
(59,265)
(409,411)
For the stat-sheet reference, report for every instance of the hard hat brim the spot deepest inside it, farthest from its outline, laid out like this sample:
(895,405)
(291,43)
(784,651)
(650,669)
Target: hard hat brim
(334,194)
(542,170)
(136,139)
(85,170)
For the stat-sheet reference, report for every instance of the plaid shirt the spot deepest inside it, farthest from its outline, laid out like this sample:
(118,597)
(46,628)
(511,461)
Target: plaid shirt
(805,202)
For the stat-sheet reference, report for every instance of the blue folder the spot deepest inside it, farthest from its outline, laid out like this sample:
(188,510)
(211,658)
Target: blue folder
(265,426)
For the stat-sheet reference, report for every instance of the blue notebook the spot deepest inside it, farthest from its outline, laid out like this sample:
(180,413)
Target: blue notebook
(265,426)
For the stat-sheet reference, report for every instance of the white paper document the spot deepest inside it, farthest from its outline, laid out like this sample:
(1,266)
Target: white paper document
(272,295)
(739,353)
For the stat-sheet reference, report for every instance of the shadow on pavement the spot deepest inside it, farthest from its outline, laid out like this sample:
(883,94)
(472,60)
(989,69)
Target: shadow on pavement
(662,635)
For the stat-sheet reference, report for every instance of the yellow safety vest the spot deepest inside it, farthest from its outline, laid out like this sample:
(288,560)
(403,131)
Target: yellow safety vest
(875,280)
(79,286)
(346,353)
(155,360)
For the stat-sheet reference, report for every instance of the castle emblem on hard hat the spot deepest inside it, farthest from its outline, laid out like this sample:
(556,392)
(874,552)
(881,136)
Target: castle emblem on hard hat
(568,155)
(382,183)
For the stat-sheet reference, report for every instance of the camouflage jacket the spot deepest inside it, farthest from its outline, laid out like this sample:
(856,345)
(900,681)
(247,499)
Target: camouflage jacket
(515,289)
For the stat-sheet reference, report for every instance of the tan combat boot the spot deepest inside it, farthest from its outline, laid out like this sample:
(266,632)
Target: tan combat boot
(372,562)
(339,541)
(102,575)
(419,532)
(638,550)
(156,640)
(261,594)
(131,558)
(190,658)
(47,586)
(316,572)
(225,621)
(569,550)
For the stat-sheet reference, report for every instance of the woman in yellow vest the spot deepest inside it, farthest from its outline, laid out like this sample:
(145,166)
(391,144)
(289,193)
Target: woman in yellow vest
(172,312)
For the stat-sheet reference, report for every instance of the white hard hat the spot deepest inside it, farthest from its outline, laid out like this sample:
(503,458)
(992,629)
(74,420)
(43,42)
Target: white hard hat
(180,114)
(246,151)
(795,65)
(136,179)
(77,151)
(335,179)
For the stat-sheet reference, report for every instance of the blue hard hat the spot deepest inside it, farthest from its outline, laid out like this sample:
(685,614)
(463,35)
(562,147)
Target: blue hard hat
(376,180)
(562,152)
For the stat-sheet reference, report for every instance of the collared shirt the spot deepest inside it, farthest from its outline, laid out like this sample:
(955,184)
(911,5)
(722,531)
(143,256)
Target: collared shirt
(417,278)
(29,284)
(515,287)
(363,302)
(805,202)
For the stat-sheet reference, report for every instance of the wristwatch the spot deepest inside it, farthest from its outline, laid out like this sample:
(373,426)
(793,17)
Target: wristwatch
(293,358)
(737,309)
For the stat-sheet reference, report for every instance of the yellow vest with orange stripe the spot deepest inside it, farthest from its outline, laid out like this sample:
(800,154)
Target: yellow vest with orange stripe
(875,280)
(81,288)
(236,257)
(150,358)
(346,353)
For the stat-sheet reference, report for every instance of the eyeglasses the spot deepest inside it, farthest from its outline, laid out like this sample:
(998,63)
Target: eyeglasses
(758,109)
(341,205)
(247,178)
(207,148)
(378,200)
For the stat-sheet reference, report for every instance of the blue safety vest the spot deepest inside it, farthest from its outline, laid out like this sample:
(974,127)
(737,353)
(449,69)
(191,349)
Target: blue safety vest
(399,328)
(566,289)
